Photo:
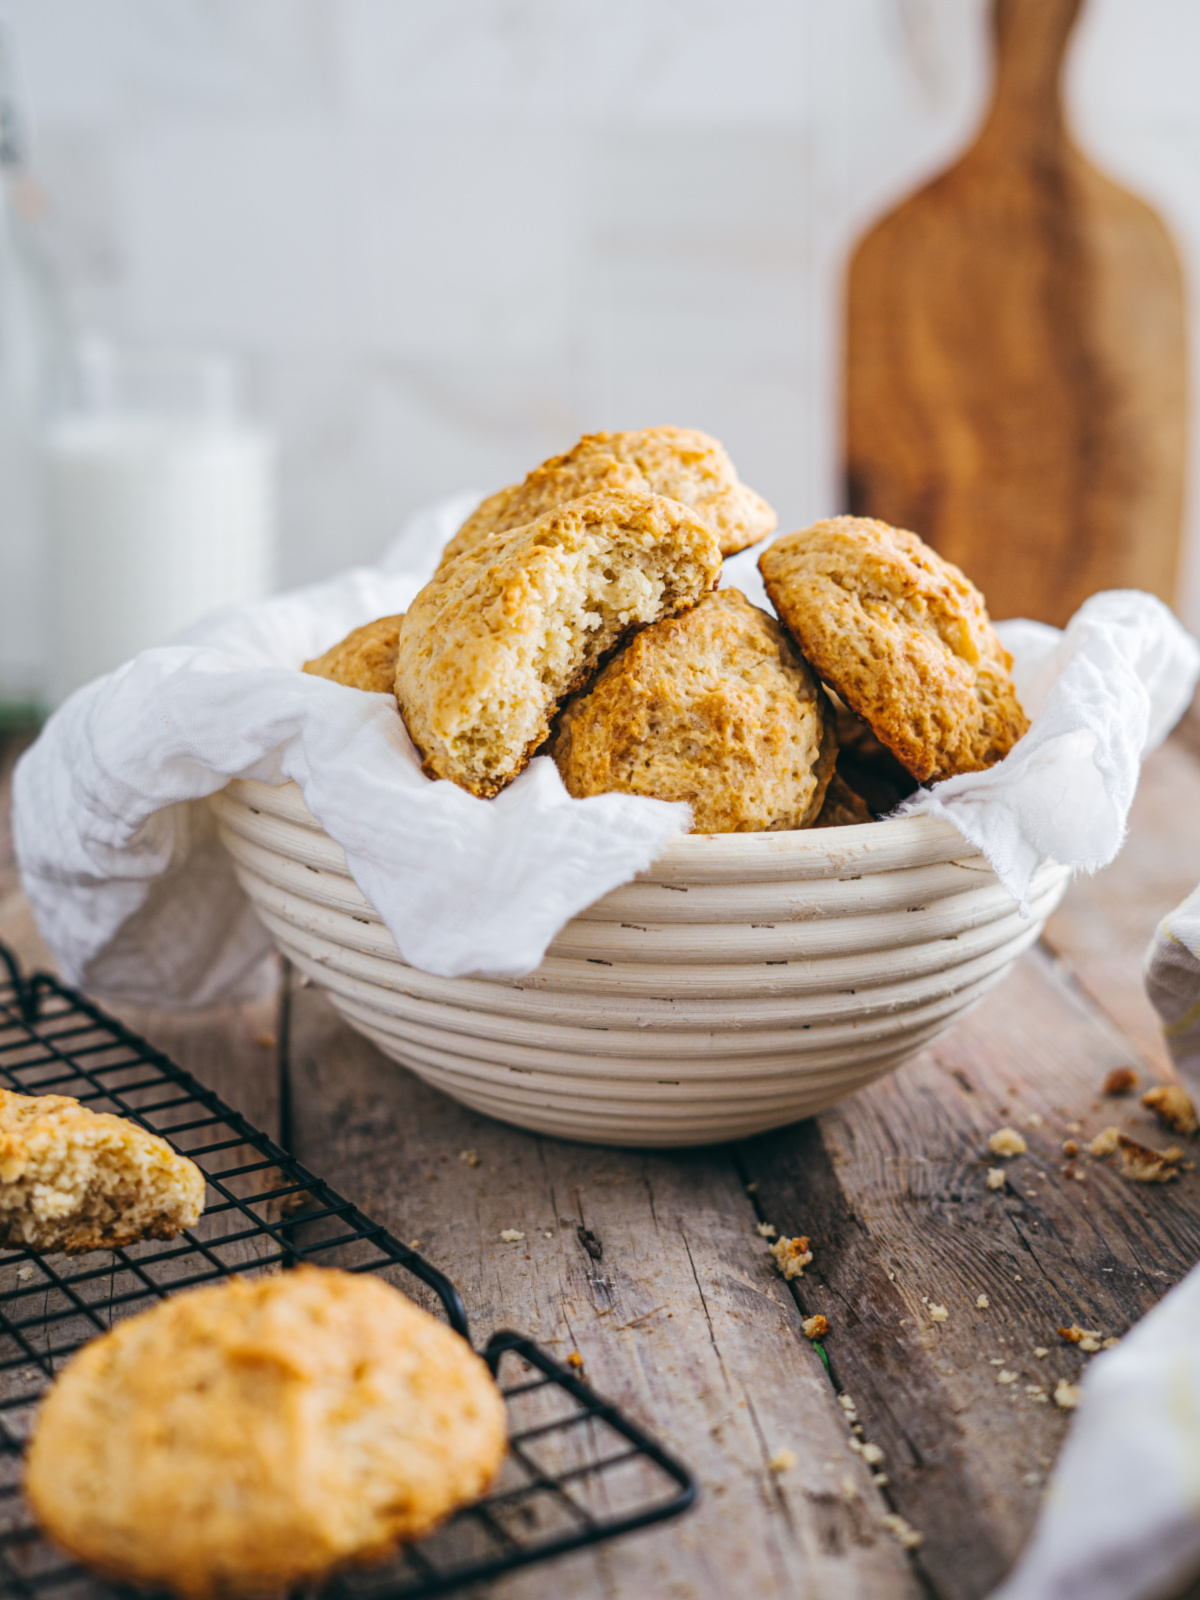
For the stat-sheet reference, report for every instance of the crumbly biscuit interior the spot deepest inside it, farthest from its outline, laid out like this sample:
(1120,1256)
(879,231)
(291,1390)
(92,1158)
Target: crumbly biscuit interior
(73,1180)
(590,591)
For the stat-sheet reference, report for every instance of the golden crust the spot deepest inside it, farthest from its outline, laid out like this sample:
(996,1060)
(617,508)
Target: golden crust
(238,1440)
(77,1180)
(715,707)
(364,659)
(493,645)
(842,807)
(680,463)
(903,638)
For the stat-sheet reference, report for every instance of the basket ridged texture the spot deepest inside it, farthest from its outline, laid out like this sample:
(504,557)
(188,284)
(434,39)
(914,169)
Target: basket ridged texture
(744,981)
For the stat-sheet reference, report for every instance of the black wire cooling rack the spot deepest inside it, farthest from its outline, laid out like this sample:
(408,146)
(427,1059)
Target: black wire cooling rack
(577,1471)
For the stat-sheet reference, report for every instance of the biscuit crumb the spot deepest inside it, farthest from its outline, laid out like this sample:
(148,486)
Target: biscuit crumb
(414,1244)
(996,1361)
(1173,1107)
(575,1359)
(903,1531)
(1040,1352)
(1141,1164)
(1074,1127)
(1005,1376)
(855,1445)
(791,1256)
(938,1314)
(815,1327)
(1032,1479)
(782,1461)
(881,1478)
(1107,1344)
(1006,1142)
(469,1156)
(1034,1120)
(24,1273)
(1075,1334)
(982,1302)
(1035,1388)
(1104,1143)
(1121,1080)
(767,1230)
(996,1178)
(846,1403)
(1089,1345)
(511,1235)
(1066,1395)
(872,1454)
(265,1040)
(1070,1149)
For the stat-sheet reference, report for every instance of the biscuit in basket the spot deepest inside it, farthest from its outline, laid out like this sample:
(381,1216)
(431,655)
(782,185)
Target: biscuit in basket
(76,1180)
(492,646)
(681,463)
(364,659)
(843,807)
(716,707)
(238,1440)
(903,638)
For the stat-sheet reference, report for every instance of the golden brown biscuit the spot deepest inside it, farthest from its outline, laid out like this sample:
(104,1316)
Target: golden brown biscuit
(903,638)
(241,1439)
(490,648)
(76,1180)
(842,807)
(364,659)
(716,707)
(681,463)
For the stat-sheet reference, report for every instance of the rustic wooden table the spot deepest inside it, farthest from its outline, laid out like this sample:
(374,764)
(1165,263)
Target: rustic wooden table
(676,1308)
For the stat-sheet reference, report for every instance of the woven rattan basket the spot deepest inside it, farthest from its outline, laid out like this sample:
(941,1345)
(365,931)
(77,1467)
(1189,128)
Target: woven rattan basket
(742,982)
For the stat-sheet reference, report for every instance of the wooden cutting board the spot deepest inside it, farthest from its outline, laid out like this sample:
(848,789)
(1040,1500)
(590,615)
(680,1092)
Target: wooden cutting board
(1015,355)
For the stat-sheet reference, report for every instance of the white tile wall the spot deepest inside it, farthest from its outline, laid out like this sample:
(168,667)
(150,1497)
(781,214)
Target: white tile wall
(449,235)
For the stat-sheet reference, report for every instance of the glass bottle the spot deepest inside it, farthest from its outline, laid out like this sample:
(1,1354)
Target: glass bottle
(32,348)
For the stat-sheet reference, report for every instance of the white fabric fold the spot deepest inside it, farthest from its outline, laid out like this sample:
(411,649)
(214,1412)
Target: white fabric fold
(1100,695)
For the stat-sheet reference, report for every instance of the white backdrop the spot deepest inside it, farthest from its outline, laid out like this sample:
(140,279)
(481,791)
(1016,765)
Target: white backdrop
(450,235)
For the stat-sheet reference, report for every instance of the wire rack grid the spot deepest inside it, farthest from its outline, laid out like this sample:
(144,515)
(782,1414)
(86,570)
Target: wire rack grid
(577,1470)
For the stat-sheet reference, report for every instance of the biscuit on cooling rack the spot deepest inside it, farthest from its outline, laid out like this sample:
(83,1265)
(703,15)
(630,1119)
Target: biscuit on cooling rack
(241,1439)
(903,638)
(364,659)
(716,707)
(492,646)
(681,463)
(73,1179)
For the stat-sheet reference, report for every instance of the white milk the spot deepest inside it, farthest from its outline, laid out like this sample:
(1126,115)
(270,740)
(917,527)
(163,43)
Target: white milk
(155,520)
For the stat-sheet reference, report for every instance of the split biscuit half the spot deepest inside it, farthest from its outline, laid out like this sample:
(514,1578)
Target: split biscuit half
(493,645)
(716,707)
(681,463)
(903,638)
(76,1180)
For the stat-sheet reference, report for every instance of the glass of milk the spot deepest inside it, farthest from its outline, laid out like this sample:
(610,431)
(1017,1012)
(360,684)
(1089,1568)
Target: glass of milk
(161,499)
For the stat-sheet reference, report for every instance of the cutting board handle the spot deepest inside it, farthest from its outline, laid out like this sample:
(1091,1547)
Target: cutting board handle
(1030,39)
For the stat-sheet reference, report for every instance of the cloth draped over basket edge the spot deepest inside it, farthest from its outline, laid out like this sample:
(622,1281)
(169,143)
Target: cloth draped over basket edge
(135,895)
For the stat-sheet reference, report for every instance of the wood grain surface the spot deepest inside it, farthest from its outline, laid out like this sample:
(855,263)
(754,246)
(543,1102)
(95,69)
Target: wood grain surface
(1015,355)
(669,1295)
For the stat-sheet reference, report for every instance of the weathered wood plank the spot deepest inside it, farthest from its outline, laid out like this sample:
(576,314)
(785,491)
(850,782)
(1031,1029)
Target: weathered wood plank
(1104,924)
(891,1186)
(682,1321)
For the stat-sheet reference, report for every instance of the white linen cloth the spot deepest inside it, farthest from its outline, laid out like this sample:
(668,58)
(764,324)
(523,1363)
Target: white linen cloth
(134,894)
